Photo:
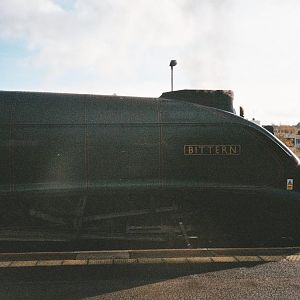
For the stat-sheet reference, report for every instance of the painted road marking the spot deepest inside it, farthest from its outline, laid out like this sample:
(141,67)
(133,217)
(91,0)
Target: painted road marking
(141,261)
(152,256)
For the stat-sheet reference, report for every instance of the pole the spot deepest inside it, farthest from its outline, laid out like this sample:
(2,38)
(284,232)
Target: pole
(171,78)
(173,63)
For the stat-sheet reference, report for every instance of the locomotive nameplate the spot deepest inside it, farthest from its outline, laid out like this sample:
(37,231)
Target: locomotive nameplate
(212,149)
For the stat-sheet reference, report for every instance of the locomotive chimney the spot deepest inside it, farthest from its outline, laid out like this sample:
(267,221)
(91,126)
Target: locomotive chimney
(221,99)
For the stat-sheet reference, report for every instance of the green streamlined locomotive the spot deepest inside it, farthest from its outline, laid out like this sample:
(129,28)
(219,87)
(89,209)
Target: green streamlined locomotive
(110,167)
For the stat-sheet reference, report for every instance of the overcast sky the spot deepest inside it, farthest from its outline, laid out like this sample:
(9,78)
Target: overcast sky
(125,46)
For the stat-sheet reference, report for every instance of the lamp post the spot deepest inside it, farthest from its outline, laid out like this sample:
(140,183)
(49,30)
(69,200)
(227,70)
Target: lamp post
(173,63)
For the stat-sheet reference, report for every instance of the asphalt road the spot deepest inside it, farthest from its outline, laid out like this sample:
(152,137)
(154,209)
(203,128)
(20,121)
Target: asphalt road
(280,280)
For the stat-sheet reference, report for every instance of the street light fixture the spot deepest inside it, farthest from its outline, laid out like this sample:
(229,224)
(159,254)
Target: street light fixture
(173,63)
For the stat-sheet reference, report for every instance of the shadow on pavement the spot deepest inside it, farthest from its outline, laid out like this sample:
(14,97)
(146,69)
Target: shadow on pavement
(79,282)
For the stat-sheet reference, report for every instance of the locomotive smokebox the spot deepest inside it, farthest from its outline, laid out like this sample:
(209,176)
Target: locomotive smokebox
(221,99)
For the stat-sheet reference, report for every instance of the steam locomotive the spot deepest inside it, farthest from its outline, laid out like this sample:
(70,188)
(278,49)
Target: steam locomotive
(182,166)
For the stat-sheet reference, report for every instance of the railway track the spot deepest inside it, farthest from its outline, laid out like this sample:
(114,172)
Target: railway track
(151,256)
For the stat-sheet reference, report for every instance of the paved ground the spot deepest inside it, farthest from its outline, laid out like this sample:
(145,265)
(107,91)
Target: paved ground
(280,280)
(269,281)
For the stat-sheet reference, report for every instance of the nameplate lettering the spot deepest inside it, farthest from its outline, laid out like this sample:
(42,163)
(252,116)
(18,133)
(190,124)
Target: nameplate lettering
(212,149)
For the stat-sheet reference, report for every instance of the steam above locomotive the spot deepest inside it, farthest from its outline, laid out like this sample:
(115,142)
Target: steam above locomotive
(116,167)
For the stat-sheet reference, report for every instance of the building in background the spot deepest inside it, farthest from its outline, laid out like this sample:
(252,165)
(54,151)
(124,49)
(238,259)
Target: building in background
(290,136)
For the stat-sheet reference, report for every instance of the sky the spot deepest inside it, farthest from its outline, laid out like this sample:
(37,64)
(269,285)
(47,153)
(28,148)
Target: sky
(124,47)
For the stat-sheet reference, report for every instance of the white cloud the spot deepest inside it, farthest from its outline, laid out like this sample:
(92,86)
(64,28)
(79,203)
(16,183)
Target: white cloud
(125,46)
(109,36)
